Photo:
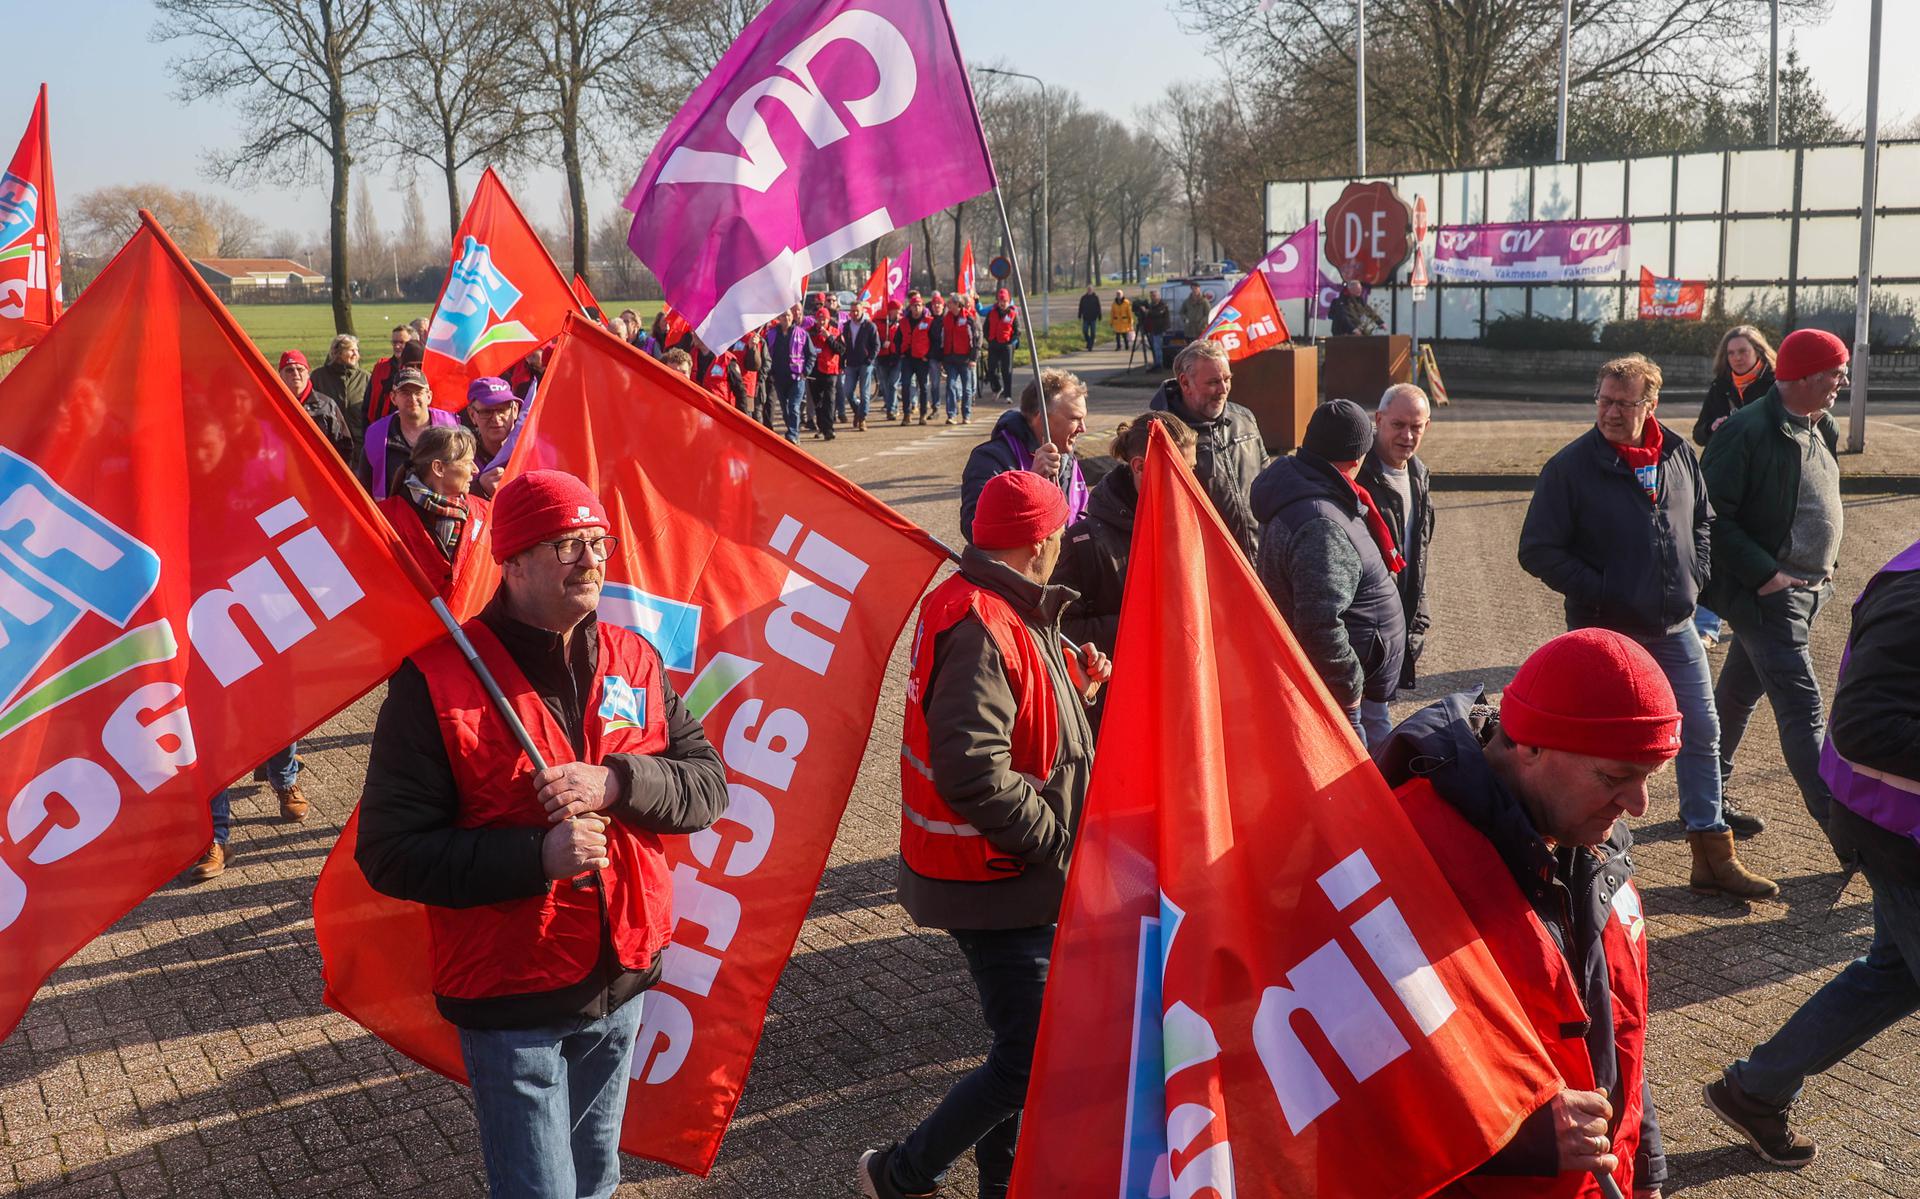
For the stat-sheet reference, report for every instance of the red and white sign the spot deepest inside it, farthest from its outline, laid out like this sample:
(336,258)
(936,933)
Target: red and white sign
(1671,299)
(1419,220)
(1369,232)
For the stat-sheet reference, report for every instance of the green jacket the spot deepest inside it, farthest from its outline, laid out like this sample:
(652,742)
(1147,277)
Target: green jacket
(1752,468)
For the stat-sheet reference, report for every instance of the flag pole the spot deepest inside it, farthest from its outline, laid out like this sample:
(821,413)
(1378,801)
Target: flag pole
(1019,281)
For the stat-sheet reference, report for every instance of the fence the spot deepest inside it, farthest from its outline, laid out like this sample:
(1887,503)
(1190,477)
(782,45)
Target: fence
(1775,232)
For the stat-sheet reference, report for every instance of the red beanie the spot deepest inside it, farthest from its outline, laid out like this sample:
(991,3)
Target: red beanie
(1016,508)
(535,506)
(1807,352)
(1595,692)
(290,357)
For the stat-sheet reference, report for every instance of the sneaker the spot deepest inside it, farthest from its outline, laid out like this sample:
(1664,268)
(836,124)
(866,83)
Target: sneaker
(293,802)
(1766,1129)
(876,1177)
(1745,823)
(212,864)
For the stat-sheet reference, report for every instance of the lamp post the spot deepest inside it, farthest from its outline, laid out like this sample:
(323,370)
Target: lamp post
(1046,210)
(1566,47)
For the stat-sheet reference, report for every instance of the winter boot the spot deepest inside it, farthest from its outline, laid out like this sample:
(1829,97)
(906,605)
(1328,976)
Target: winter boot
(1768,1130)
(1717,870)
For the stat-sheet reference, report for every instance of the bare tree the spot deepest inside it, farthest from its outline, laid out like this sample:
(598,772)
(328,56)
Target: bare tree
(301,73)
(1181,123)
(204,226)
(369,245)
(417,245)
(1140,187)
(451,98)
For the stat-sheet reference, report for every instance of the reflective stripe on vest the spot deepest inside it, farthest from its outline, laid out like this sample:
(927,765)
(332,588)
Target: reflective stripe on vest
(1888,800)
(935,841)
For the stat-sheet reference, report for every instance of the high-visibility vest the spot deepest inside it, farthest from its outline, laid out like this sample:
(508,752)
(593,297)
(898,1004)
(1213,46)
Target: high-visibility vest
(959,335)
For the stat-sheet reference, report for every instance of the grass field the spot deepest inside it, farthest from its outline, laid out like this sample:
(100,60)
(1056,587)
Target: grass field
(309,327)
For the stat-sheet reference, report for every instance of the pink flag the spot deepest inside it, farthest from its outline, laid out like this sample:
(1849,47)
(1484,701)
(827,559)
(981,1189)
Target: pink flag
(900,275)
(827,124)
(1293,266)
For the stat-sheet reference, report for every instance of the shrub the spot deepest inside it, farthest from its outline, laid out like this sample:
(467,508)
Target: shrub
(1516,332)
(1657,339)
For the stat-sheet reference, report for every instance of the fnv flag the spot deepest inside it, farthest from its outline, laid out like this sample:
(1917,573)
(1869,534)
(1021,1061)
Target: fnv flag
(29,238)
(1292,270)
(874,294)
(966,280)
(1671,299)
(502,299)
(774,590)
(189,580)
(1248,321)
(826,125)
(900,275)
(1261,983)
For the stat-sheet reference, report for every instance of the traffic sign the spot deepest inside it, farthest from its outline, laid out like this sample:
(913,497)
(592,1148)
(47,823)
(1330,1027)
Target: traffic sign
(999,268)
(1369,232)
(1419,219)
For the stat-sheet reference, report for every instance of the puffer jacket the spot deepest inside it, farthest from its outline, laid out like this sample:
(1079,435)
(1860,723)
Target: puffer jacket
(1724,399)
(1093,561)
(1230,456)
(1413,533)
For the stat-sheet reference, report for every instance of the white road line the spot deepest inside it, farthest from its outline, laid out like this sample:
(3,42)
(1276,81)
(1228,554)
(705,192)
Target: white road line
(1887,424)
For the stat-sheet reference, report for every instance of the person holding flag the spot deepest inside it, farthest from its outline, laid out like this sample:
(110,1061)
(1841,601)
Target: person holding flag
(547,889)
(1003,333)
(436,517)
(993,769)
(886,361)
(1038,437)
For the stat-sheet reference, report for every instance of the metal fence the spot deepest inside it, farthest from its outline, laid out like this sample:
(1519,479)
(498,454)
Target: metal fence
(1774,232)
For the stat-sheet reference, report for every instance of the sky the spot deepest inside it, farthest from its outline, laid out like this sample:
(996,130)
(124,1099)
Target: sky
(116,117)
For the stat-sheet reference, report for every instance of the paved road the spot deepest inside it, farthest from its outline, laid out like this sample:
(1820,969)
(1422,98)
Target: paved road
(187,1052)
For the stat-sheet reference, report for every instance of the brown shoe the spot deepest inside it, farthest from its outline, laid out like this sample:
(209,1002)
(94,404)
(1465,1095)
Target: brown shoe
(212,864)
(293,802)
(1716,869)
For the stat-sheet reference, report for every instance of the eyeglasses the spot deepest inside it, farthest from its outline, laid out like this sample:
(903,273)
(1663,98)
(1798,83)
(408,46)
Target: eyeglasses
(1622,405)
(570,549)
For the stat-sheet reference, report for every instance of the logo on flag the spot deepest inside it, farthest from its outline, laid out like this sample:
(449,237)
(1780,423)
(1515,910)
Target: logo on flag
(621,705)
(900,275)
(1671,299)
(19,208)
(967,275)
(29,238)
(472,310)
(1248,320)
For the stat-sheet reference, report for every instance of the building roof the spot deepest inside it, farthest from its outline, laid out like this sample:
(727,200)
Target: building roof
(234,268)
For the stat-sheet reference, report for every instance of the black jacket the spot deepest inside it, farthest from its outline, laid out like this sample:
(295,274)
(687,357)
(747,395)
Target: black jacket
(1622,563)
(1328,579)
(1570,889)
(994,456)
(1230,456)
(1414,547)
(1093,561)
(1090,309)
(1876,717)
(410,847)
(1723,400)
(863,343)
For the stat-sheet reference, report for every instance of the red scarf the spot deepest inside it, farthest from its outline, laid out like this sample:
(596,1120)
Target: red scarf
(1377,525)
(1646,454)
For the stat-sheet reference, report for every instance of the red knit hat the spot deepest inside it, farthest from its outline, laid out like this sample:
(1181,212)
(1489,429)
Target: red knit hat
(1807,352)
(535,506)
(290,357)
(1016,508)
(1595,692)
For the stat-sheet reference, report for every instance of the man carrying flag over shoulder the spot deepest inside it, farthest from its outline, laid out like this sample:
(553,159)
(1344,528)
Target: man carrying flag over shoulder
(993,769)
(548,891)
(1521,808)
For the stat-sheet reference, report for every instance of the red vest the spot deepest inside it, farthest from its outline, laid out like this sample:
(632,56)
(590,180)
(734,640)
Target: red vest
(827,361)
(750,380)
(917,342)
(716,376)
(379,395)
(934,841)
(476,538)
(553,939)
(1546,986)
(1001,325)
(959,341)
(889,336)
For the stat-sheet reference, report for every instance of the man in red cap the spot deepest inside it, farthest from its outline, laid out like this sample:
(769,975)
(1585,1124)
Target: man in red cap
(1003,330)
(547,890)
(1521,808)
(993,771)
(1774,476)
(320,407)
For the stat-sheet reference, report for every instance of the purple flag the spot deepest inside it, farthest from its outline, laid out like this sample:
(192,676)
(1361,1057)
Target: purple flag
(827,124)
(1293,268)
(900,275)
(1539,252)
(1328,293)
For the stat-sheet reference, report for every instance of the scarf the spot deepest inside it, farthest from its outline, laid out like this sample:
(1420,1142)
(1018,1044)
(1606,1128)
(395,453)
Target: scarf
(444,516)
(1742,382)
(1377,525)
(1644,459)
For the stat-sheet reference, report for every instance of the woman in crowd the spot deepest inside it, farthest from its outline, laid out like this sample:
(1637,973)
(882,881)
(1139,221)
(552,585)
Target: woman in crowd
(1742,372)
(1120,316)
(441,524)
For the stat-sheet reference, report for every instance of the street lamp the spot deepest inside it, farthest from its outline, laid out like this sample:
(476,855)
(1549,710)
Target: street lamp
(1046,211)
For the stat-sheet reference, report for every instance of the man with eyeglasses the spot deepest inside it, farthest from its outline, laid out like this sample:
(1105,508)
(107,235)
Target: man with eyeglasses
(548,891)
(1775,477)
(1619,526)
(494,413)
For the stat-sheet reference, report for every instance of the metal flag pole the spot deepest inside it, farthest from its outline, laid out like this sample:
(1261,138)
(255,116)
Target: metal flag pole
(1869,177)
(1019,282)
(1360,86)
(1566,40)
(1773,79)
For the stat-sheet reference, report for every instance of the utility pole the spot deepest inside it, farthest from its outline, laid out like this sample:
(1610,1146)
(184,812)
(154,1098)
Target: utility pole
(1566,43)
(1869,176)
(1773,79)
(1359,86)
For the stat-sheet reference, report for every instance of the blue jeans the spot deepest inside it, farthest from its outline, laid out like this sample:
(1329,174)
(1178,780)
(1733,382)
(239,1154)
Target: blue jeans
(1009,967)
(1684,661)
(1706,622)
(886,373)
(280,772)
(1770,658)
(959,387)
(549,1102)
(1376,723)
(855,383)
(789,392)
(1087,330)
(1159,343)
(914,371)
(1871,995)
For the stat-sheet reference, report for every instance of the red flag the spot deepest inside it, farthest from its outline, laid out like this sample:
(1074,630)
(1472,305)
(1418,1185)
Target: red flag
(29,238)
(503,297)
(966,280)
(1670,299)
(189,580)
(677,326)
(1248,321)
(588,303)
(774,590)
(874,294)
(1261,981)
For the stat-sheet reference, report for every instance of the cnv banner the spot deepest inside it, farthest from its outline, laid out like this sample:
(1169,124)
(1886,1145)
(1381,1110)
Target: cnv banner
(29,238)
(189,580)
(1262,983)
(1541,252)
(827,124)
(774,591)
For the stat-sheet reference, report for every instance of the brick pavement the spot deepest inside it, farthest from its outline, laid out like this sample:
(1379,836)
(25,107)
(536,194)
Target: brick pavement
(186,1052)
